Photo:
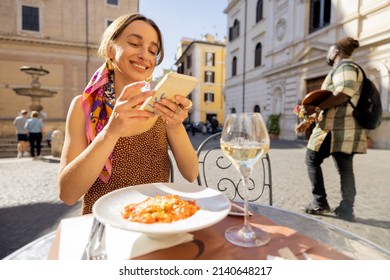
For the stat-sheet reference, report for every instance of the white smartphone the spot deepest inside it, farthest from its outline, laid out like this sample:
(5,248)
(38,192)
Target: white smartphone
(171,84)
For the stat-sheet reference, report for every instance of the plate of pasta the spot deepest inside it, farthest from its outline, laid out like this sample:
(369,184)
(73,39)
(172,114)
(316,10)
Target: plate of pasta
(162,208)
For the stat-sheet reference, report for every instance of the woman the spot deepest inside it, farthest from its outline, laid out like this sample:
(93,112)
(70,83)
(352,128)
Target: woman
(35,126)
(109,142)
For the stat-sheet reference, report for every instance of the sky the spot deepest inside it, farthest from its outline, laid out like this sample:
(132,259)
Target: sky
(184,18)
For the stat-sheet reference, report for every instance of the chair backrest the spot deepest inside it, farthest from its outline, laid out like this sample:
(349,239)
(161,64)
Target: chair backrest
(216,171)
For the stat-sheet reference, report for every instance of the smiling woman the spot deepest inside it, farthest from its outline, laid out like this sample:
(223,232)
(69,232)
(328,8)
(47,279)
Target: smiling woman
(110,143)
(144,38)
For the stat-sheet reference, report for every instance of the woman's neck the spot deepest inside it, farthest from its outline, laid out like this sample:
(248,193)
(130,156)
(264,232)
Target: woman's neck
(120,81)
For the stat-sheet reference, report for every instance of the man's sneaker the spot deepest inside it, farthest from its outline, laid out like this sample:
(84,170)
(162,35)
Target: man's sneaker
(19,155)
(317,209)
(26,154)
(345,214)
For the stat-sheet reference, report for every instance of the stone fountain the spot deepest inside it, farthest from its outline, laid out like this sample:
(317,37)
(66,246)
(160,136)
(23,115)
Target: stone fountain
(35,91)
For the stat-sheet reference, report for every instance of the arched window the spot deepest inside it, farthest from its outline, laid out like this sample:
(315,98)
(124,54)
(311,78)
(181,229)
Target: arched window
(259,10)
(233,110)
(258,55)
(234,31)
(257,109)
(234,66)
(236,28)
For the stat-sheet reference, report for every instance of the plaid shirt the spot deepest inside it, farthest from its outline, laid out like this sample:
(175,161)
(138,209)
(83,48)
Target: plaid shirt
(347,136)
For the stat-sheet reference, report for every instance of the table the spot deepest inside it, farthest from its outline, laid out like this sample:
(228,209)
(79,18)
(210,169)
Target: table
(341,240)
(346,243)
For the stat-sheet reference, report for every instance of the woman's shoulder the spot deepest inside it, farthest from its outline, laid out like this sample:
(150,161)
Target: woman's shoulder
(76,104)
(77,100)
(76,111)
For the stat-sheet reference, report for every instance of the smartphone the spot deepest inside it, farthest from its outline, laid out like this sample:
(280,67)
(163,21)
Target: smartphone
(171,84)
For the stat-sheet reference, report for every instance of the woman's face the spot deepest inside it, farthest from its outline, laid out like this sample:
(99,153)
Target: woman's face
(135,51)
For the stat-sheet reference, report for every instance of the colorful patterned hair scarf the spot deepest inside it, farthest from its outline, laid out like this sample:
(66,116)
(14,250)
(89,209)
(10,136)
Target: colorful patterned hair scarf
(98,102)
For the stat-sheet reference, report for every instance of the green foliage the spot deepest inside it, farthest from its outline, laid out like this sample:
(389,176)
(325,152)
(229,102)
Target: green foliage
(273,124)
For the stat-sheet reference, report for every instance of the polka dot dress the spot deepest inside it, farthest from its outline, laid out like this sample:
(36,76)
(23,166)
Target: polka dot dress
(139,159)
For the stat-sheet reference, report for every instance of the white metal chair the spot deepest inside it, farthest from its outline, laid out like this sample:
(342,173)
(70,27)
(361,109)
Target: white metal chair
(216,171)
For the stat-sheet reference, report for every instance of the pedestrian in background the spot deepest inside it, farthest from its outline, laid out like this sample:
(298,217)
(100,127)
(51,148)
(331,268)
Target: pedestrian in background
(21,134)
(49,136)
(214,125)
(336,133)
(34,125)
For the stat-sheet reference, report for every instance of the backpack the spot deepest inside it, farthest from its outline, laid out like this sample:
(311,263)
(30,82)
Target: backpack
(368,110)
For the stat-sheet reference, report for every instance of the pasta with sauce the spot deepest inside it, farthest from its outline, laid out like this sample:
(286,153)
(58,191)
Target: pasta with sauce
(160,209)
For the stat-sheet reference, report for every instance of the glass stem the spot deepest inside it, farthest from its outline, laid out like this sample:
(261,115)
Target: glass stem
(247,226)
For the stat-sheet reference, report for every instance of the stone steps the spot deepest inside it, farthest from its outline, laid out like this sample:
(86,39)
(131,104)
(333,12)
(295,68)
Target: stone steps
(8,148)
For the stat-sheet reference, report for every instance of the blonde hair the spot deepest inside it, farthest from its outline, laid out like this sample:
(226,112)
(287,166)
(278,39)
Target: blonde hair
(115,29)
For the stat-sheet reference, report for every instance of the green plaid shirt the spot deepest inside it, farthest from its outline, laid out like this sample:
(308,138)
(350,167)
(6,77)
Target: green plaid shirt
(347,136)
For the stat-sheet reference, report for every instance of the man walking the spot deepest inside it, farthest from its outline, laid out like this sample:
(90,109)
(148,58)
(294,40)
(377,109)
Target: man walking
(336,133)
(21,134)
(35,126)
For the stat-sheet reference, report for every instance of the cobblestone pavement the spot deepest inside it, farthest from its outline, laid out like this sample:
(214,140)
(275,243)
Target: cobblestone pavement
(30,208)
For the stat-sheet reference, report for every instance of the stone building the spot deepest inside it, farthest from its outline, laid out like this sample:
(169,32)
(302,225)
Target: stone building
(62,37)
(276,53)
(205,60)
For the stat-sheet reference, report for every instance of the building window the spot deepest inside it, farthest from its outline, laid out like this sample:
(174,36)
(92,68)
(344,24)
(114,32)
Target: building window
(210,59)
(30,18)
(180,68)
(208,97)
(257,109)
(259,10)
(113,2)
(189,60)
(319,14)
(234,31)
(234,66)
(209,76)
(258,55)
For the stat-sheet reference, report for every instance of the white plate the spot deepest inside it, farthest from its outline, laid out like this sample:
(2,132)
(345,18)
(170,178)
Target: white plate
(213,205)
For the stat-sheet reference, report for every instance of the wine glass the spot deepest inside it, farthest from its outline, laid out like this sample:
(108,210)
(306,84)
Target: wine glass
(244,141)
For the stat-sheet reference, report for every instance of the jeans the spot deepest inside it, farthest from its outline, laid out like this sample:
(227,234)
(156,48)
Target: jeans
(35,143)
(344,165)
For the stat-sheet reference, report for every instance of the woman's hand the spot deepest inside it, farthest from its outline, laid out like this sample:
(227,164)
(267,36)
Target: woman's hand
(126,113)
(174,113)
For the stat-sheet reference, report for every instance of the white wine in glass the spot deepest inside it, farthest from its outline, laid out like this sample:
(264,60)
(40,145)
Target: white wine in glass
(245,141)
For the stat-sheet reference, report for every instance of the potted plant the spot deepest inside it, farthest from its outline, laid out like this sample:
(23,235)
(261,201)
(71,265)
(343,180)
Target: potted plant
(273,125)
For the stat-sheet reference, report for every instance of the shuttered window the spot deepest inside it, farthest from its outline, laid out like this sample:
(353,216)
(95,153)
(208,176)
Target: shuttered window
(30,18)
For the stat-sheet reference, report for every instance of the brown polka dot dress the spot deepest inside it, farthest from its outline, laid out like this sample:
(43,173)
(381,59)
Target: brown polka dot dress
(139,159)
